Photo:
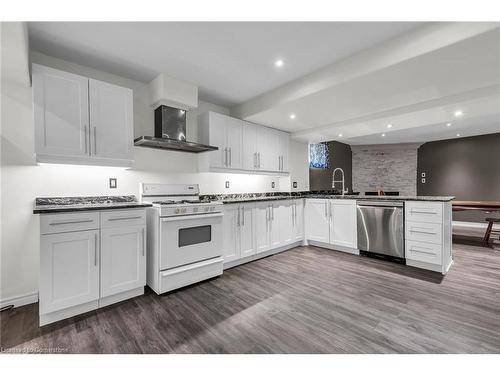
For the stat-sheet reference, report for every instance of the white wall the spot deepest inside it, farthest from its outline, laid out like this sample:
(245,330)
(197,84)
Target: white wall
(22,179)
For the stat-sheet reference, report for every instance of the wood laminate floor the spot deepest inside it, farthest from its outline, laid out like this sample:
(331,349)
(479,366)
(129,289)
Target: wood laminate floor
(306,300)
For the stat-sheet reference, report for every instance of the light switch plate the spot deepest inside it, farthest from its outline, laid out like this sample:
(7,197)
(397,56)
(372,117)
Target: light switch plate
(227,184)
(273,185)
(112,183)
(295,184)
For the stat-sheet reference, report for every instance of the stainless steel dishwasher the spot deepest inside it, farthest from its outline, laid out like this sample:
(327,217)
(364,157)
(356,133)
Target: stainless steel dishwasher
(381,229)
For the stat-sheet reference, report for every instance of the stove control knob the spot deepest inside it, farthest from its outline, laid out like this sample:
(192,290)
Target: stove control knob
(207,208)
(195,209)
(212,208)
(177,210)
(183,210)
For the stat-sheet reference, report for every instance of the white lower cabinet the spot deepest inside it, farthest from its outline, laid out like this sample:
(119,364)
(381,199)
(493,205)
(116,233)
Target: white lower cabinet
(123,259)
(238,231)
(255,228)
(90,259)
(69,270)
(332,222)
(317,220)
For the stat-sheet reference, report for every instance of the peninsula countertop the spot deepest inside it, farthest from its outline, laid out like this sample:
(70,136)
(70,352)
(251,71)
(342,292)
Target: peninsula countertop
(247,198)
(74,204)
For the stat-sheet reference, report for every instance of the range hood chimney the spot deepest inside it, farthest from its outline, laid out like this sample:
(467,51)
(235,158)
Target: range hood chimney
(170,132)
(171,98)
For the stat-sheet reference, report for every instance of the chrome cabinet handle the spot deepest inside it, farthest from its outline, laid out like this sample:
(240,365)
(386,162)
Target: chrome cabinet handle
(243,216)
(143,239)
(326,209)
(414,248)
(95,249)
(124,218)
(272,210)
(71,222)
(85,135)
(238,219)
(230,156)
(258,159)
(225,156)
(421,231)
(95,140)
(423,212)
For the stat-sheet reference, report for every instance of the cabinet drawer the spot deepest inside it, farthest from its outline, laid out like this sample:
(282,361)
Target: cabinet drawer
(120,218)
(68,222)
(427,212)
(425,232)
(424,252)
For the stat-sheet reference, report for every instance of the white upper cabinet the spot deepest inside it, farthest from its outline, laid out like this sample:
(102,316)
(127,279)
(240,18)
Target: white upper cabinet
(111,119)
(60,105)
(243,146)
(80,120)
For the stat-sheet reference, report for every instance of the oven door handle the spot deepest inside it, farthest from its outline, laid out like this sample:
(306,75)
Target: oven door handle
(192,217)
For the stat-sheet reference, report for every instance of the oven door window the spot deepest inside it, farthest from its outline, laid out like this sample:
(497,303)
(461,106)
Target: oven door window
(195,235)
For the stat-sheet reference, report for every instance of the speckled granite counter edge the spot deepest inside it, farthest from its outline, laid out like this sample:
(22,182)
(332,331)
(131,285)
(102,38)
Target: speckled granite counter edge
(75,204)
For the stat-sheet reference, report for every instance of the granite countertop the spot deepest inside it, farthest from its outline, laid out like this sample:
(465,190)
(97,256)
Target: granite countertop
(245,198)
(73,204)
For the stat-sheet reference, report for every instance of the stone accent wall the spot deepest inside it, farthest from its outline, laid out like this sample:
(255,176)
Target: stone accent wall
(386,167)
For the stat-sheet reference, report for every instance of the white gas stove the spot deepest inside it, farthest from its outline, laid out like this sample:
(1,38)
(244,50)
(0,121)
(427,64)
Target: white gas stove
(184,236)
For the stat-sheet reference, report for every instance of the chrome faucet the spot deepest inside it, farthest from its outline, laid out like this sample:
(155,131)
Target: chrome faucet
(334,181)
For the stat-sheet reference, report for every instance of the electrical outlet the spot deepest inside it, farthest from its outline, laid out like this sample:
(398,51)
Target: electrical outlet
(227,184)
(423,180)
(422,174)
(295,184)
(112,183)
(273,184)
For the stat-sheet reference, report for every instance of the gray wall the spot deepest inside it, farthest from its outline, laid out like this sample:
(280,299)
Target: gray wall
(340,156)
(468,168)
(386,167)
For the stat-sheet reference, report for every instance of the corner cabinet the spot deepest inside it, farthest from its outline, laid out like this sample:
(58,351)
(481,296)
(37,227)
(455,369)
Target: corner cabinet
(90,259)
(332,223)
(243,147)
(254,230)
(80,120)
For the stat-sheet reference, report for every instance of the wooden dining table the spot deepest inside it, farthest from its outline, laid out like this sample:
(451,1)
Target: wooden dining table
(485,206)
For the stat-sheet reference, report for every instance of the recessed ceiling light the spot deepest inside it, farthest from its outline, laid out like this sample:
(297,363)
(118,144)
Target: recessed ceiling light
(383,134)
(292,116)
(279,63)
(389,126)
(458,113)
(448,124)
(340,135)
(458,134)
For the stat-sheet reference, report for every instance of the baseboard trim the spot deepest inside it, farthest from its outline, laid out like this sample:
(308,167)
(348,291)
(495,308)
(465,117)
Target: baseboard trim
(20,300)
(264,254)
(330,246)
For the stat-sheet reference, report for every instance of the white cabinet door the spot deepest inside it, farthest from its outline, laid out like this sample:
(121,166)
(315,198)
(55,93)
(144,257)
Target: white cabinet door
(249,147)
(343,223)
(230,233)
(69,269)
(273,157)
(61,117)
(234,134)
(111,121)
(264,149)
(317,220)
(298,219)
(123,259)
(283,147)
(247,240)
(217,137)
(262,215)
(286,212)
(275,235)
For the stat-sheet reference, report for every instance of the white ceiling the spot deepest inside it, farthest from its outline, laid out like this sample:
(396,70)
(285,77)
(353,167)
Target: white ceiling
(229,62)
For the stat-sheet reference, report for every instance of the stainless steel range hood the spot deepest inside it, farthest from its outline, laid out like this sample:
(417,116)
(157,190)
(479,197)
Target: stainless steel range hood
(170,132)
